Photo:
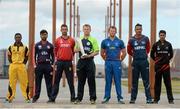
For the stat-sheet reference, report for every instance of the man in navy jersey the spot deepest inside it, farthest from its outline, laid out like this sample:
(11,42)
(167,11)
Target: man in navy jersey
(162,53)
(138,47)
(113,52)
(44,60)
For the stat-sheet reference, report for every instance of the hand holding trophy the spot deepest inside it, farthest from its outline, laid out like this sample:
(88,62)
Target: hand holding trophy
(80,45)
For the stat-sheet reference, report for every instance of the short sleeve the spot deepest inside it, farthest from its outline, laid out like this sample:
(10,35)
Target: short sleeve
(103,45)
(122,44)
(95,45)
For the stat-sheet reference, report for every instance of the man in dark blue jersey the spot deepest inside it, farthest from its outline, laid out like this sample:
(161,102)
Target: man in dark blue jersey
(139,47)
(44,60)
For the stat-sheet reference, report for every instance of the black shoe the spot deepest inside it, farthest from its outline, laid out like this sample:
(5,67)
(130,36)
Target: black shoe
(93,101)
(171,102)
(105,100)
(51,101)
(73,100)
(155,102)
(132,102)
(149,102)
(77,101)
(34,100)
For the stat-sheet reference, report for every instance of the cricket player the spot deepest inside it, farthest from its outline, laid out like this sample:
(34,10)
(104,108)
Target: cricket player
(139,47)
(162,53)
(18,57)
(113,52)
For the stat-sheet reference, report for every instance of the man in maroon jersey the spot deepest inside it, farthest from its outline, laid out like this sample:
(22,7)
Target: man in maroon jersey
(64,52)
(138,47)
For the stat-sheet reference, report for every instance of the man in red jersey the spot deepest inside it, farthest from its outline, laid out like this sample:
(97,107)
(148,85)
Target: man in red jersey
(64,52)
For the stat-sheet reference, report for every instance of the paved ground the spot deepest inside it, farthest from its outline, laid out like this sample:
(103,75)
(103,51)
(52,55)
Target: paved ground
(63,99)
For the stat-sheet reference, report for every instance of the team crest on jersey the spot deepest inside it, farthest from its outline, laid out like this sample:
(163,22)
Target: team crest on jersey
(88,43)
(167,48)
(135,43)
(143,42)
(108,44)
(158,48)
(48,47)
(39,46)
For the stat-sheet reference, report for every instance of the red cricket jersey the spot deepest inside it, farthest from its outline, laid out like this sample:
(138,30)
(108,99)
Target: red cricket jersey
(64,48)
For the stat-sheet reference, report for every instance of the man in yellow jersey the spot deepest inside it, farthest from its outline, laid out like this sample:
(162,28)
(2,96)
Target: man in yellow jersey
(18,57)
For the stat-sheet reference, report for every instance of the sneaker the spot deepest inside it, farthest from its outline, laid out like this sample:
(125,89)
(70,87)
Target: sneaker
(92,101)
(73,100)
(34,100)
(171,102)
(77,101)
(7,101)
(155,102)
(120,101)
(27,101)
(51,101)
(149,102)
(105,100)
(132,102)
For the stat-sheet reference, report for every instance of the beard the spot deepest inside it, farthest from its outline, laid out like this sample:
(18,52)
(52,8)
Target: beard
(64,34)
(44,39)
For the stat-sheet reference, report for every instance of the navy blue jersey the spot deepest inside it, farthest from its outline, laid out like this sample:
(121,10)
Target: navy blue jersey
(138,48)
(44,53)
(112,48)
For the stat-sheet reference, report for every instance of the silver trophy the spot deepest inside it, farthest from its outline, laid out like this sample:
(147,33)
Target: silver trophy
(79,42)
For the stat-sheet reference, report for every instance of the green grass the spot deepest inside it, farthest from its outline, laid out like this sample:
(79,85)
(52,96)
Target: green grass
(175,86)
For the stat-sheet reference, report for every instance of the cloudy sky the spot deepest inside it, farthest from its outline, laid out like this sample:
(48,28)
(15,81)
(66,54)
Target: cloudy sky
(14,18)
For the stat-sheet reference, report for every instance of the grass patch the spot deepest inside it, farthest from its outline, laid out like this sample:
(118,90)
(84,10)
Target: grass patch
(176,78)
(174,82)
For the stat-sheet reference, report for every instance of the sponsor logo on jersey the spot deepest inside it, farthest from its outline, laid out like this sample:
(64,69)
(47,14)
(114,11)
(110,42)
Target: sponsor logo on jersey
(112,47)
(87,48)
(44,53)
(139,48)
(65,45)
(164,52)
